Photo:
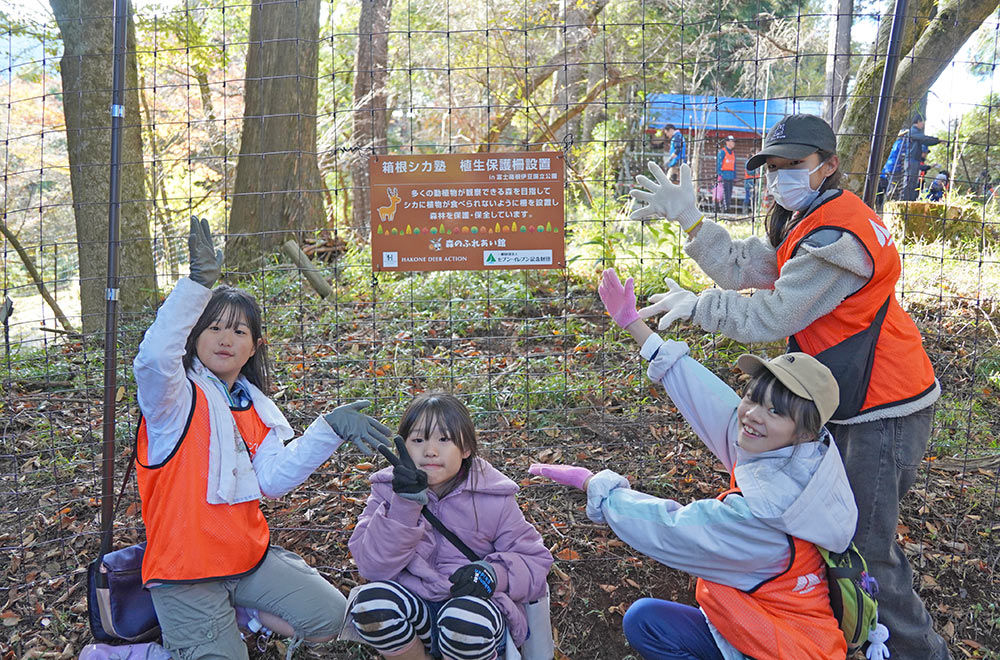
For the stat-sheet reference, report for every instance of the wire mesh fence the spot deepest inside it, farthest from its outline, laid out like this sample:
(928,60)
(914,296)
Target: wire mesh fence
(262,117)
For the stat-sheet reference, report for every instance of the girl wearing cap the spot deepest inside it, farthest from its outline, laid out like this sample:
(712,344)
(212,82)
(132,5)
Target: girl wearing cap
(825,277)
(762,587)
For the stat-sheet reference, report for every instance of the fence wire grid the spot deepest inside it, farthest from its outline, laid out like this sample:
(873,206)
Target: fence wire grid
(261,118)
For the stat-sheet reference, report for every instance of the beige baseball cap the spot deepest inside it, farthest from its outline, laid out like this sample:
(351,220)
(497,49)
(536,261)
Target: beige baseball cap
(801,373)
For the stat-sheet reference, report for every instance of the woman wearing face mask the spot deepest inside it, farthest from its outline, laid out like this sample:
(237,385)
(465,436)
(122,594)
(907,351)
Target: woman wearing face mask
(825,277)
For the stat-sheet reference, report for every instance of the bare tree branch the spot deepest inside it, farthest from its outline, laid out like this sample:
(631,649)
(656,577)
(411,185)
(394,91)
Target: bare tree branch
(569,52)
(548,131)
(29,265)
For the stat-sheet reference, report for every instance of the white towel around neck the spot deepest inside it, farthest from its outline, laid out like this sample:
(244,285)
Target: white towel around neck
(231,478)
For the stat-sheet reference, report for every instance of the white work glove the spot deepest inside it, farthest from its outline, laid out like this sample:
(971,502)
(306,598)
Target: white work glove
(678,304)
(667,200)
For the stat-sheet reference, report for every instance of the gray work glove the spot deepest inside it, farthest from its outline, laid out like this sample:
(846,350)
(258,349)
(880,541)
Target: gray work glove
(6,309)
(408,481)
(665,199)
(206,261)
(678,303)
(350,423)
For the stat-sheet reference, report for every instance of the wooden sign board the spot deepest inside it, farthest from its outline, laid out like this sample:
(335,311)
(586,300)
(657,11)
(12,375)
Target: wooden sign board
(477,211)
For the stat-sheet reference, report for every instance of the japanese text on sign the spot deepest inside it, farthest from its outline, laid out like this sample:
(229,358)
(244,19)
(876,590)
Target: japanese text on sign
(467,211)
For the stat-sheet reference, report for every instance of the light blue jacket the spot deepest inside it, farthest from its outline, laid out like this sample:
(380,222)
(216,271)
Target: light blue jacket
(740,541)
(893,166)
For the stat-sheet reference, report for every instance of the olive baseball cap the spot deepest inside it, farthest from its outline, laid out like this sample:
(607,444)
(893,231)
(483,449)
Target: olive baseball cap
(794,137)
(801,373)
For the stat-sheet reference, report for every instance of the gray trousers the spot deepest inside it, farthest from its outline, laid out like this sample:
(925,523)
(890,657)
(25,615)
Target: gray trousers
(882,458)
(198,620)
(911,181)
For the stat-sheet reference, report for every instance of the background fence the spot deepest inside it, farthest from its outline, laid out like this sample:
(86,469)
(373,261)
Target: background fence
(261,117)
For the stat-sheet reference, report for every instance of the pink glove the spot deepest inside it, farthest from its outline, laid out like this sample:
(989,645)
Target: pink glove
(618,300)
(568,475)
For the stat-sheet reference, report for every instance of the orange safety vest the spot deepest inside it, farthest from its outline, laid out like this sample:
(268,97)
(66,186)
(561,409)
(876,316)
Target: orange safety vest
(188,539)
(728,160)
(871,345)
(786,616)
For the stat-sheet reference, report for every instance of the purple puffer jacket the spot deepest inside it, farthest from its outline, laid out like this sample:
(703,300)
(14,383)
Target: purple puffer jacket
(392,541)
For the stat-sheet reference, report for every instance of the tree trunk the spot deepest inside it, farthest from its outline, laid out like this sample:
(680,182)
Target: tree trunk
(928,48)
(86,68)
(278,191)
(371,115)
(157,189)
(570,80)
(838,62)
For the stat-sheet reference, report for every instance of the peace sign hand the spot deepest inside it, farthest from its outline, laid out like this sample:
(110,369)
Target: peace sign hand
(408,482)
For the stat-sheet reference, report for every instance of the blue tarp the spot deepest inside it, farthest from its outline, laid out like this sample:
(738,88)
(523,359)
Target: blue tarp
(724,113)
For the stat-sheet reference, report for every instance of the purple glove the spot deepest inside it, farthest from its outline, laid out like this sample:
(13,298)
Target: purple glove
(618,300)
(568,475)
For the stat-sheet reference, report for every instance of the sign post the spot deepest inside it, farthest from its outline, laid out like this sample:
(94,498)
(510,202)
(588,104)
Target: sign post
(477,211)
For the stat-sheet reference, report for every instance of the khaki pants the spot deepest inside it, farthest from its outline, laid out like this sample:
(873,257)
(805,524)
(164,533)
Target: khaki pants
(198,620)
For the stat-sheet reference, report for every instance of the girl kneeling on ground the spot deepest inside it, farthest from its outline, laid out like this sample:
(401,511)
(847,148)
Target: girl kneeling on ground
(761,582)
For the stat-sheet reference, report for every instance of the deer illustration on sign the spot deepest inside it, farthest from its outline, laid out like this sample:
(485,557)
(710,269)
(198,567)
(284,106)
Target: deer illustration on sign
(388,213)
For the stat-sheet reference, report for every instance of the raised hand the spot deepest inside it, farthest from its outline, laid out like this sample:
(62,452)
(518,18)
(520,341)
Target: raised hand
(408,482)
(678,303)
(618,299)
(568,475)
(206,261)
(367,433)
(476,579)
(665,199)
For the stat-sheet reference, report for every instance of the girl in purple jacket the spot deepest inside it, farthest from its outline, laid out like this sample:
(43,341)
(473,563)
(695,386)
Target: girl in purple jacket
(425,599)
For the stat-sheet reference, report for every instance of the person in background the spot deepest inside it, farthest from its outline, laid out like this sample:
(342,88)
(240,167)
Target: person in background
(749,185)
(914,154)
(725,168)
(890,179)
(923,169)
(675,152)
(939,186)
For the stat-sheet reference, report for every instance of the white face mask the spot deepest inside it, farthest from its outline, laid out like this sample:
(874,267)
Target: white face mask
(790,187)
